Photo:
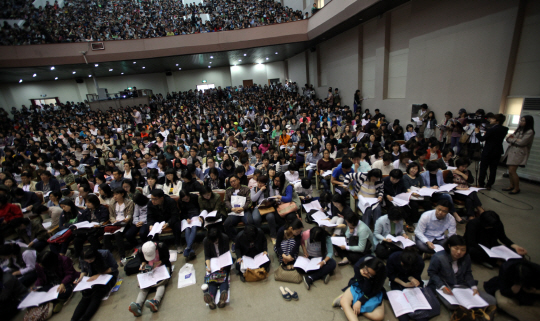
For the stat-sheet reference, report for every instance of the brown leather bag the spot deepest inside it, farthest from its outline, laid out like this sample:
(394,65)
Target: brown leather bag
(291,276)
(255,275)
(483,314)
(286,208)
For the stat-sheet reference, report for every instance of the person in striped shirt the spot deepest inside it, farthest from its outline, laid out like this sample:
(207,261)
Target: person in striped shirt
(368,185)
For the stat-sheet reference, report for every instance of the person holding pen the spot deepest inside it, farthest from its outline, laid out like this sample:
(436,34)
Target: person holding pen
(431,227)
(452,268)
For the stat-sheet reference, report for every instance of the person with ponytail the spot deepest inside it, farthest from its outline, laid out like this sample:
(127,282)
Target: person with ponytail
(316,242)
(21,262)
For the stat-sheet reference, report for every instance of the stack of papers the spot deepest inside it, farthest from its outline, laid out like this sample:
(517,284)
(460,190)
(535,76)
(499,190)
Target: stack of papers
(153,277)
(339,240)
(501,252)
(194,222)
(36,298)
(220,262)
(84,284)
(407,301)
(156,229)
(464,297)
(400,241)
(47,225)
(204,214)
(311,167)
(468,191)
(438,248)
(255,262)
(366,202)
(307,264)
(401,199)
(85,224)
(313,205)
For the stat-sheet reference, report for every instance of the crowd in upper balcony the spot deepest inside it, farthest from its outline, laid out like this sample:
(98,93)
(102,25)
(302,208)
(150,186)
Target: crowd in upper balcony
(98,20)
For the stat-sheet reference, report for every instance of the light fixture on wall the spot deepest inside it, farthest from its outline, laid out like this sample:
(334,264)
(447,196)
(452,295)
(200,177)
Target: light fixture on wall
(276,52)
(110,69)
(245,55)
(55,78)
(209,66)
(121,73)
(20,81)
(34,75)
(52,68)
(239,59)
(96,65)
(134,62)
(74,72)
(143,67)
(179,68)
(211,57)
(266,58)
(210,62)
(89,76)
(176,65)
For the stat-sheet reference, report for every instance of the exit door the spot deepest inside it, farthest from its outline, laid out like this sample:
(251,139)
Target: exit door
(248,83)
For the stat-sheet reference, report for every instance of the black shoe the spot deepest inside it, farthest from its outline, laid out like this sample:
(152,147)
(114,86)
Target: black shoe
(488,187)
(514,193)
(308,282)
(242,278)
(192,255)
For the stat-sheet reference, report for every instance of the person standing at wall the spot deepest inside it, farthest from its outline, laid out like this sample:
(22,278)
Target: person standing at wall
(493,148)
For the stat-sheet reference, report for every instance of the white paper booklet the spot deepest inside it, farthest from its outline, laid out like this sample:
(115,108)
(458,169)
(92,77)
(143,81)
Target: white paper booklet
(446,188)
(313,205)
(465,298)
(468,191)
(438,248)
(426,191)
(220,262)
(307,264)
(402,199)
(84,284)
(329,172)
(36,298)
(173,256)
(86,224)
(194,222)
(254,262)
(401,241)
(407,301)
(339,240)
(204,214)
(366,202)
(153,277)
(318,216)
(501,252)
(156,229)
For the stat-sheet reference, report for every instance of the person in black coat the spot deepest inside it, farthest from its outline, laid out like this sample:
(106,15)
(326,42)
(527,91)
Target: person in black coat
(215,244)
(250,242)
(162,208)
(28,200)
(94,212)
(493,148)
(48,183)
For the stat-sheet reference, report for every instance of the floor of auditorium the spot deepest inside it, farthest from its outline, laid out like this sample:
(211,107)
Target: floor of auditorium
(263,301)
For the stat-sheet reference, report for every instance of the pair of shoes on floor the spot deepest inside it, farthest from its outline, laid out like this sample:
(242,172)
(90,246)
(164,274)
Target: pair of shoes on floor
(514,193)
(209,299)
(288,295)
(344,262)
(136,309)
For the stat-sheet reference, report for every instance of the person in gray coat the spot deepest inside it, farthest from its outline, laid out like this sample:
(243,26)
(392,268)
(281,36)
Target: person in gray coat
(517,154)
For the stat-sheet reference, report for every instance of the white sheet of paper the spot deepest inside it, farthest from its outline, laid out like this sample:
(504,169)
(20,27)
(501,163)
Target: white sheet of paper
(194,222)
(468,191)
(404,241)
(329,172)
(365,202)
(317,216)
(325,223)
(153,277)
(204,214)
(36,298)
(220,262)
(254,262)
(84,284)
(407,301)
(85,224)
(501,252)
(313,205)
(338,241)
(47,225)
(446,188)
(173,256)
(438,248)
(466,298)
(307,264)
(156,229)
(426,191)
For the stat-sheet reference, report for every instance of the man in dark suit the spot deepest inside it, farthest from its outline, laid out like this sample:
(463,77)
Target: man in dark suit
(493,148)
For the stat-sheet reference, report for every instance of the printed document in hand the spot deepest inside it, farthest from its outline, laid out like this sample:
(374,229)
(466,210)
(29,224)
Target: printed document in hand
(307,264)
(311,167)
(465,298)
(313,205)
(194,222)
(36,298)
(237,201)
(327,173)
(366,202)
(401,241)
(254,262)
(204,214)
(401,199)
(339,240)
(153,277)
(468,191)
(319,216)
(501,252)
(84,284)
(85,224)
(415,190)
(438,248)
(156,229)
(407,301)
(417,120)
(426,191)
(220,262)
(446,188)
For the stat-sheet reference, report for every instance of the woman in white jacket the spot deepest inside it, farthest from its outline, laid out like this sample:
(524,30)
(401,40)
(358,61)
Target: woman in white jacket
(172,185)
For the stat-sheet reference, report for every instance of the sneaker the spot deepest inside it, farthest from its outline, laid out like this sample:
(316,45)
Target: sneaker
(223,299)
(209,299)
(152,305)
(186,252)
(327,279)
(337,302)
(58,306)
(123,261)
(308,282)
(179,249)
(192,255)
(135,308)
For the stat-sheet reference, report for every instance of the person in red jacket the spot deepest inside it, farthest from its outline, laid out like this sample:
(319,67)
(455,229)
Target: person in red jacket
(8,211)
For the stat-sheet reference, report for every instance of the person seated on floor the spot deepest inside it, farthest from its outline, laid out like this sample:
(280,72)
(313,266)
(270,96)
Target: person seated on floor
(316,242)
(389,224)
(94,263)
(368,185)
(210,201)
(31,233)
(189,210)
(243,213)
(432,226)
(304,190)
(464,178)
(250,242)
(120,214)
(12,293)
(364,293)
(21,262)
(404,272)
(412,180)
(94,212)
(215,244)
(139,223)
(152,255)
(451,268)
(433,178)
(52,270)
(339,209)
(394,185)
(488,230)
(359,240)
(162,208)
(288,243)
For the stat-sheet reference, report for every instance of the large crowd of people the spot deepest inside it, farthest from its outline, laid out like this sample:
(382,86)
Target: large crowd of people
(82,21)
(222,163)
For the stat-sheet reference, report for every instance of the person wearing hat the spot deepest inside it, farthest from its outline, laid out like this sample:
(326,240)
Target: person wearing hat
(152,256)
(88,159)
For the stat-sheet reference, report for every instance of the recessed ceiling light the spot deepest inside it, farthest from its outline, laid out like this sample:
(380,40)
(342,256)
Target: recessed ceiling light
(121,73)
(239,59)
(143,67)
(55,78)
(34,75)
(276,52)
(20,80)
(210,62)
(110,70)
(89,76)
(179,68)
(52,68)
(74,72)
(134,62)
(245,55)
(209,66)
(266,58)
(96,65)
(211,57)
(176,65)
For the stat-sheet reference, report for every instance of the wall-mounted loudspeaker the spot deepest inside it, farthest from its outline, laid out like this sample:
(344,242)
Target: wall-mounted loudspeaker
(168,73)
(79,80)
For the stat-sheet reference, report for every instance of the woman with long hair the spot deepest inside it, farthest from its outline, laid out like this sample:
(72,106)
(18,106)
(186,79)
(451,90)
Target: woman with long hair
(215,244)
(316,242)
(517,153)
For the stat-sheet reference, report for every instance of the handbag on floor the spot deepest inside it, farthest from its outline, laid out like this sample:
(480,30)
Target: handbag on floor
(255,275)
(290,276)
(39,313)
(482,314)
